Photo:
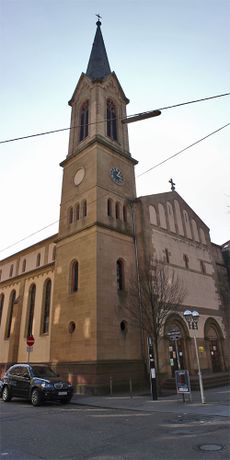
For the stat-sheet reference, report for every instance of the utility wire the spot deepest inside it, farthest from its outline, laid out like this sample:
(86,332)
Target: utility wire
(183,150)
(142,114)
(145,172)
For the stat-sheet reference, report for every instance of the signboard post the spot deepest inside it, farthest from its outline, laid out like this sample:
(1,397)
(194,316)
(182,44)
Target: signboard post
(183,383)
(30,341)
(152,369)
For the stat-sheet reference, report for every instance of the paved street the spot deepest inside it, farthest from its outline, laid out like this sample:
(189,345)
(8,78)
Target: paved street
(118,428)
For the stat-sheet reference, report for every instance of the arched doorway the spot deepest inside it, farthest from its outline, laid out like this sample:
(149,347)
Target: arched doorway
(213,336)
(175,333)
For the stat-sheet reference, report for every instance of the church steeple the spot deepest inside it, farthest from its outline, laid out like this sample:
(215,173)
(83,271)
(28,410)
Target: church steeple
(98,66)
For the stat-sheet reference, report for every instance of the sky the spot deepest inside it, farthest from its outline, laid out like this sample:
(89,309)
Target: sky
(164,52)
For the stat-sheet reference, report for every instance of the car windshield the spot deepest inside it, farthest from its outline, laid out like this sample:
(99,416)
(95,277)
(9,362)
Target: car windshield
(43,372)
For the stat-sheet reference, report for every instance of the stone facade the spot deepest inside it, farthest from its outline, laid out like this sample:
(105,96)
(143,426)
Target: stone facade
(71,289)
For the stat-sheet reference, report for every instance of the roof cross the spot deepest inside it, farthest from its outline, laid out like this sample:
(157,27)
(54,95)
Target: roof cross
(98,17)
(172,185)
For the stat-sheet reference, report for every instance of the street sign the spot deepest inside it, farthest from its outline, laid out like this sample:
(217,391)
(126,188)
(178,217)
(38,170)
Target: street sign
(174,334)
(30,340)
(29,349)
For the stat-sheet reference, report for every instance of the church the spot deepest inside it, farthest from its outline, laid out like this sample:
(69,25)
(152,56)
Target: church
(70,290)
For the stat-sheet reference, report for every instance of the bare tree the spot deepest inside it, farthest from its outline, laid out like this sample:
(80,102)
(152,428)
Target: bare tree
(157,292)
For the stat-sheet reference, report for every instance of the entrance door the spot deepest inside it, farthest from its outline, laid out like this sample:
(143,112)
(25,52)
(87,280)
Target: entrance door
(215,355)
(173,359)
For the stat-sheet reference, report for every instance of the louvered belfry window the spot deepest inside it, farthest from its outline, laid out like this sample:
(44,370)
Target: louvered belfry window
(111,120)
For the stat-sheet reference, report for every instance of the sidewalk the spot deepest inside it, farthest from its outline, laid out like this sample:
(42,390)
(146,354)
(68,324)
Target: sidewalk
(217,402)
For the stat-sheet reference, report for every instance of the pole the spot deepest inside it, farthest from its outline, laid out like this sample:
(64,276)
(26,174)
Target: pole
(199,372)
(177,356)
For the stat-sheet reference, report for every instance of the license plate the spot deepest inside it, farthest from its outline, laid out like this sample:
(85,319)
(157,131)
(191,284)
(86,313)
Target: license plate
(62,393)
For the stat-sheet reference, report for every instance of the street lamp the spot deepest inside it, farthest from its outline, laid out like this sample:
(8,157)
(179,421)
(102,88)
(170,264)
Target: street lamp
(192,318)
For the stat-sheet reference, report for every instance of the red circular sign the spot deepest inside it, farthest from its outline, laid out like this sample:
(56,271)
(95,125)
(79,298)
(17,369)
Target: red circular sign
(30,340)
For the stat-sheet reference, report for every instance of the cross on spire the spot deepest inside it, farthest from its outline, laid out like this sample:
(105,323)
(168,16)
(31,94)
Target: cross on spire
(172,185)
(98,17)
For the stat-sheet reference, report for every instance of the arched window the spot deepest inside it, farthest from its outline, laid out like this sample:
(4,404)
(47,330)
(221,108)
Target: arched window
(10,313)
(120,275)
(31,305)
(54,252)
(46,306)
(110,207)
(77,211)
(1,305)
(11,270)
(124,213)
(74,276)
(111,120)
(84,208)
(38,261)
(70,215)
(118,210)
(84,120)
(24,266)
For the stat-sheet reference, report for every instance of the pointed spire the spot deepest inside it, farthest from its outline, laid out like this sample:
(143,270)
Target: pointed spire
(98,66)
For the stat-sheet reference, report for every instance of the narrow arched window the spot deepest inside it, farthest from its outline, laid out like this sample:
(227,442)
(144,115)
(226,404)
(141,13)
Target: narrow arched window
(118,210)
(120,275)
(46,306)
(84,208)
(11,270)
(124,213)
(111,120)
(1,305)
(84,120)
(77,211)
(10,313)
(70,215)
(31,305)
(24,266)
(110,207)
(74,276)
(54,252)
(38,260)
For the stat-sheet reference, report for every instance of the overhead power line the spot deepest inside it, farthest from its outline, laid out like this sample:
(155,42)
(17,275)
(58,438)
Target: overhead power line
(145,172)
(183,150)
(128,119)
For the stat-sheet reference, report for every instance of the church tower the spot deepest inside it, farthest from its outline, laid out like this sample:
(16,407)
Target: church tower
(95,257)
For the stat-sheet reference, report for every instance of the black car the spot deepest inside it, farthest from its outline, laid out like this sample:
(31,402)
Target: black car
(37,382)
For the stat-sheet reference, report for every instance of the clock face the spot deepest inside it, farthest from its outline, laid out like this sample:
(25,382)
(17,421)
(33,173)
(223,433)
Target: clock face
(117,175)
(79,176)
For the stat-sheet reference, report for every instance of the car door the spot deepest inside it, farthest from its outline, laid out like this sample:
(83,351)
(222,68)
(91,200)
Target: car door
(13,382)
(23,382)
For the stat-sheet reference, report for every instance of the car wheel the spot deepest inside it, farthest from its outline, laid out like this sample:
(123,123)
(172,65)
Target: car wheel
(6,396)
(36,397)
